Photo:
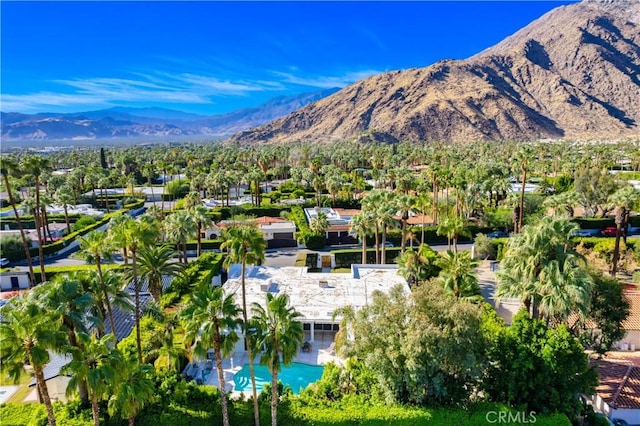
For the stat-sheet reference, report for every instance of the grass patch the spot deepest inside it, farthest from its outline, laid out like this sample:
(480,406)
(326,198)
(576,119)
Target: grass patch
(340,270)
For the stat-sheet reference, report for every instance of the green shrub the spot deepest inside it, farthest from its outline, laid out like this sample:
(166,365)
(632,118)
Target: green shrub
(484,247)
(82,223)
(12,247)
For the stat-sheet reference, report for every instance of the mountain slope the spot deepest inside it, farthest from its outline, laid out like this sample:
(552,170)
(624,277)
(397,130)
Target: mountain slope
(137,122)
(573,73)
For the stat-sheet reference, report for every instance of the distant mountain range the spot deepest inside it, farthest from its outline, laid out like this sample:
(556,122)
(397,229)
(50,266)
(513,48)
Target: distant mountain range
(573,73)
(120,122)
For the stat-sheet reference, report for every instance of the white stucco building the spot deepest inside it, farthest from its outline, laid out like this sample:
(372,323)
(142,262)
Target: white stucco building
(315,295)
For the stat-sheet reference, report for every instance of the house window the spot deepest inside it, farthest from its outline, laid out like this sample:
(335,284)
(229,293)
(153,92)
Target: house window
(15,284)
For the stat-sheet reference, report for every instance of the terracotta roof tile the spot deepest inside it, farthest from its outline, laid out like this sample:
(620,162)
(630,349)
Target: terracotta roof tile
(619,384)
(633,320)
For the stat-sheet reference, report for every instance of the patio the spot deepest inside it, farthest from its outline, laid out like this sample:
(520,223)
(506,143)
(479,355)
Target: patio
(321,352)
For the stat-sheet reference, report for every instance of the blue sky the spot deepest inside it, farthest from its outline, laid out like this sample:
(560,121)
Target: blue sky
(214,57)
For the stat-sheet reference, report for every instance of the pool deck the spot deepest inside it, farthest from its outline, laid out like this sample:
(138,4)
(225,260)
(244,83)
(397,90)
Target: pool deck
(321,353)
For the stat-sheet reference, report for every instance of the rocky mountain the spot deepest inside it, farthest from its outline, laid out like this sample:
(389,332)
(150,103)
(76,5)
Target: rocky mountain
(122,122)
(573,73)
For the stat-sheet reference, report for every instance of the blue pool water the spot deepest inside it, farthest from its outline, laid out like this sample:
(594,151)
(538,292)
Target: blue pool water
(297,376)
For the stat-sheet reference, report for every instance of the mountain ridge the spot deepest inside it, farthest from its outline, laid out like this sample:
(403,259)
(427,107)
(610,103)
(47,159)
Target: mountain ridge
(124,122)
(572,73)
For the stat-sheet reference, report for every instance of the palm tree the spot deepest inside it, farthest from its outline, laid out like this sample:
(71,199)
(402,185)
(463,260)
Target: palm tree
(36,166)
(8,165)
(624,199)
(279,334)
(422,203)
(404,203)
(369,206)
(96,246)
(134,389)
(65,198)
(522,158)
(453,228)
(96,365)
(319,224)
(246,245)
(360,225)
(135,234)
(154,262)
(27,332)
(542,269)
(457,276)
(418,265)
(168,351)
(118,298)
(210,319)
(199,214)
(66,296)
(180,227)
(385,217)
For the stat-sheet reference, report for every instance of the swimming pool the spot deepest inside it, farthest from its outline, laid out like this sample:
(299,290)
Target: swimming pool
(297,376)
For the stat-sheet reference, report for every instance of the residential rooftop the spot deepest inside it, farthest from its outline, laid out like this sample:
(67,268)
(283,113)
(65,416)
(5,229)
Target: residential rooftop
(315,295)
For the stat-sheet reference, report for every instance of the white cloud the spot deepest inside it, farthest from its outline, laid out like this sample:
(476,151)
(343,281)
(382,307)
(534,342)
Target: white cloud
(326,82)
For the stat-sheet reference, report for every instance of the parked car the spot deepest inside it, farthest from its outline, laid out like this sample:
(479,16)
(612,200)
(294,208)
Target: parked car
(610,231)
(585,233)
(4,262)
(497,234)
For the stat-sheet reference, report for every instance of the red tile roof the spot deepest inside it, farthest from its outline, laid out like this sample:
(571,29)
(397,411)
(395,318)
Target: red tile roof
(633,320)
(267,220)
(619,384)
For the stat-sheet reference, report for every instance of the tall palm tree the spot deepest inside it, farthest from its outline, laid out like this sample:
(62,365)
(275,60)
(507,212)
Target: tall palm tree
(134,389)
(118,298)
(245,245)
(360,225)
(385,213)
(203,220)
(369,206)
(135,234)
(95,364)
(453,228)
(623,199)
(179,228)
(210,319)
(404,203)
(27,332)
(36,166)
(96,247)
(8,166)
(457,276)
(279,334)
(64,197)
(154,262)
(422,203)
(66,296)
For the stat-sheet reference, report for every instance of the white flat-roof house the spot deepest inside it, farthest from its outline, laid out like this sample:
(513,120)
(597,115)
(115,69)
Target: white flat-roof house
(315,295)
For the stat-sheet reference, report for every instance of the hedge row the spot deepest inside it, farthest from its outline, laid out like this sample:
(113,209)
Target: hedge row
(67,239)
(346,258)
(53,271)
(203,269)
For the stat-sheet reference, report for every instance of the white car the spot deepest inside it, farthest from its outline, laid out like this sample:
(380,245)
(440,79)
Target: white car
(4,262)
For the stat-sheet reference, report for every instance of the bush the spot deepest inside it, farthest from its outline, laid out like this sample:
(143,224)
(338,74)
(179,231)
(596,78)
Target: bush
(12,247)
(484,247)
(82,223)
